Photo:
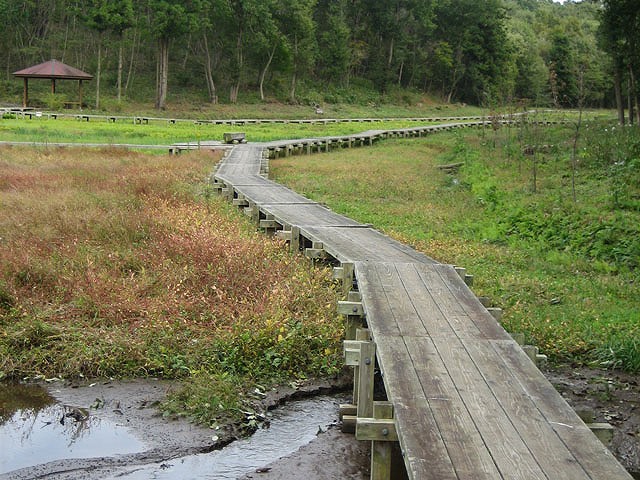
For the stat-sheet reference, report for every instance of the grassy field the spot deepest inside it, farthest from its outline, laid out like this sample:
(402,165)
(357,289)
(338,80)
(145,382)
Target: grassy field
(161,133)
(124,264)
(158,132)
(565,271)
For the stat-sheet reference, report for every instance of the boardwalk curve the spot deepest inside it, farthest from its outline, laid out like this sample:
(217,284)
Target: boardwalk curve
(462,398)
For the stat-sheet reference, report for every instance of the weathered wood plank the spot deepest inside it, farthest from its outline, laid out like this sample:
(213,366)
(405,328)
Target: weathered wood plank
(465,444)
(511,396)
(363,244)
(425,452)
(594,457)
(403,312)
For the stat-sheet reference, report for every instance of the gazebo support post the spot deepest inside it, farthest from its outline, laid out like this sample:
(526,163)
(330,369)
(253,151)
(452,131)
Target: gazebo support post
(53,86)
(25,93)
(80,93)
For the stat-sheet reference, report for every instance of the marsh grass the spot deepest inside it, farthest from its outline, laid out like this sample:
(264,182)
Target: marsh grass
(65,130)
(565,273)
(120,264)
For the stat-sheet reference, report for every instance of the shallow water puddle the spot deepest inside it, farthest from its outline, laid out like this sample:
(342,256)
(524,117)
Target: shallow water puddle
(35,429)
(291,427)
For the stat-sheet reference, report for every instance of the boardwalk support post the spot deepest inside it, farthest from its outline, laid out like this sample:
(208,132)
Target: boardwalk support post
(381,431)
(603,431)
(345,273)
(240,201)
(269,224)
(291,235)
(252,211)
(495,313)
(359,354)
(316,252)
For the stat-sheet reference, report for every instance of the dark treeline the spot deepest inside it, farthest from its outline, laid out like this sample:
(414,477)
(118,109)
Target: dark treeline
(488,52)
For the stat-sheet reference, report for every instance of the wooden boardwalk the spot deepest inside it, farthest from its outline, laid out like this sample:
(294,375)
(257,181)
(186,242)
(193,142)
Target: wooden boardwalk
(463,400)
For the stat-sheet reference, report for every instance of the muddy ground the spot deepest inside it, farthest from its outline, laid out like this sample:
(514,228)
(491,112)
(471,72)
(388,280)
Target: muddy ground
(613,398)
(134,404)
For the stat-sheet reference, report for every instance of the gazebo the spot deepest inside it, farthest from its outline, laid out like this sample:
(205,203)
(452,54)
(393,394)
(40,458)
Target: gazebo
(53,70)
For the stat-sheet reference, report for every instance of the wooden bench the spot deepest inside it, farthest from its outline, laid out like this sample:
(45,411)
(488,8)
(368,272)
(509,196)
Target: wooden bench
(234,138)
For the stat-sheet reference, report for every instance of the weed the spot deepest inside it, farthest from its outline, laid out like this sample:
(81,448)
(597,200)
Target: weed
(114,264)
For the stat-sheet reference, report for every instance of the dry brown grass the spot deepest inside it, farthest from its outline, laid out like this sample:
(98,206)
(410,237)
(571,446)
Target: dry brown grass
(120,263)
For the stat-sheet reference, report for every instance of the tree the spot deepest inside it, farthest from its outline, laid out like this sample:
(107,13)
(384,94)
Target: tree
(299,30)
(477,48)
(268,43)
(170,19)
(115,16)
(620,37)
(246,18)
(562,69)
(333,36)
(216,14)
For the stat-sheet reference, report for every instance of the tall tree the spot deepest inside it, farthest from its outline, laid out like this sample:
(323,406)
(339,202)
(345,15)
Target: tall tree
(562,69)
(216,14)
(268,43)
(475,36)
(620,36)
(333,32)
(299,30)
(114,16)
(170,19)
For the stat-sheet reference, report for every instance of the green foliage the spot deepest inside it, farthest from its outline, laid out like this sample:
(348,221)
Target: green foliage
(613,153)
(114,15)
(54,101)
(480,52)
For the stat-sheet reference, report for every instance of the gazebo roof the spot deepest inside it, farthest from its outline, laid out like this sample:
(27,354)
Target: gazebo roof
(55,70)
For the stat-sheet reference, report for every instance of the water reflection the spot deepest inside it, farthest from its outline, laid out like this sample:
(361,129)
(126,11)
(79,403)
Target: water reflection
(28,398)
(291,427)
(37,430)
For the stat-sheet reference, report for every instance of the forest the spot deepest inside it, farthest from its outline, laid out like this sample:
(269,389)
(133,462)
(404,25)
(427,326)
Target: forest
(489,53)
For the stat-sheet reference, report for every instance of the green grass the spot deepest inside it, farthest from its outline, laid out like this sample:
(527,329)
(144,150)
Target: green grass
(123,264)
(565,272)
(163,133)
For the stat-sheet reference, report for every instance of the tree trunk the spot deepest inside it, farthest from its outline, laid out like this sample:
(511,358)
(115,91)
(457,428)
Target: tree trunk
(133,56)
(233,97)
(163,73)
(617,86)
(263,73)
(633,93)
(630,99)
(294,75)
(98,73)
(292,90)
(208,73)
(120,60)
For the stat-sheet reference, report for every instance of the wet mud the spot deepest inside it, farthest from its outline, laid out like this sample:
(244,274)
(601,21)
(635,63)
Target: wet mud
(607,397)
(164,443)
